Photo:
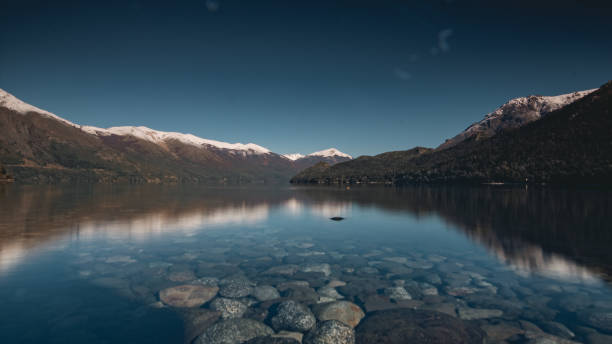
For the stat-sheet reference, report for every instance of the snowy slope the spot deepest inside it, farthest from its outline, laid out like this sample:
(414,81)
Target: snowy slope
(158,137)
(330,152)
(11,102)
(515,113)
(326,153)
(293,156)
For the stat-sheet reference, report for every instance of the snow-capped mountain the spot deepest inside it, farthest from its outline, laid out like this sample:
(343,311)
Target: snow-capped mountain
(326,153)
(330,152)
(331,156)
(515,113)
(10,102)
(294,156)
(37,146)
(160,137)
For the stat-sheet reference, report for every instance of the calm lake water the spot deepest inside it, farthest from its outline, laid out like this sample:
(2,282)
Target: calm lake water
(90,264)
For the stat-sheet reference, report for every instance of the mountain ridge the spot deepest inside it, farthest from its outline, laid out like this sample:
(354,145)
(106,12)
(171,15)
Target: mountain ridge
(513,114)
(570,145)
(37,146)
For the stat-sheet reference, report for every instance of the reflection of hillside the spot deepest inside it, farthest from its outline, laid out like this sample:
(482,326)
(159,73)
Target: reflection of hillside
(34,216)
(564,232)
(546,230)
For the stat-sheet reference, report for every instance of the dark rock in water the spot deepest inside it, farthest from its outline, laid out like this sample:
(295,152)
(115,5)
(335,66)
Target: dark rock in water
(229,308)
(343,311)
(233,331)
(416,327)
(272,340)
(235,289)
(360,287)
(331,332)
(265,293)
(336,218)
(292,316)
(197,320)
(305,295)
(187,295)
(378,302)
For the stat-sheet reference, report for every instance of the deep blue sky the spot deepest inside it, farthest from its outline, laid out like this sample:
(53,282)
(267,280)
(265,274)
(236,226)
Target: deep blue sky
(299,76)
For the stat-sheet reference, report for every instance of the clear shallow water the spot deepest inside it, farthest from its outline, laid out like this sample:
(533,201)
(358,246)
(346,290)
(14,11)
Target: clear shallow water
(87,264)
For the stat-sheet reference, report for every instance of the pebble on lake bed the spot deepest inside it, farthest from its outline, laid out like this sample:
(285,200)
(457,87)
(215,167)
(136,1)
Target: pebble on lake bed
(292,316)
(265,293)
(330,332)
(229,308)
(235,289)
(187,295)
(233,331)
(343,311)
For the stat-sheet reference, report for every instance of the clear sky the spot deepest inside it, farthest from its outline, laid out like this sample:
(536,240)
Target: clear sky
(299,76)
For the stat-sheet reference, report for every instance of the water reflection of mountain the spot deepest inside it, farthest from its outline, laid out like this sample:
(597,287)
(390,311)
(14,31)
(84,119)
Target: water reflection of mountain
(565,232)
(35,216)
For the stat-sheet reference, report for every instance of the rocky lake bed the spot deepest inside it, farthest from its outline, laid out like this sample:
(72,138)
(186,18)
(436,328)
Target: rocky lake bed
(280,270)
(258,286)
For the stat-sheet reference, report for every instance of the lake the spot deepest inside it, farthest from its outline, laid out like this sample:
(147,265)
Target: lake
(165,264)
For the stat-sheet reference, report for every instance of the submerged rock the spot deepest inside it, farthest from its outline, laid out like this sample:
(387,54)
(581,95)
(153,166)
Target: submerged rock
(233,331)
(228,308)
(325,269)
(466,313)
(397,293)
(343,311)
(330,332)
(182,276)
(287,334)
(283,270)
(187,295)
(335,283)
(236,289)
(208,281)
(400,326)
(197,320)
(292,316)
(329,292)
(265,293)
(272,340)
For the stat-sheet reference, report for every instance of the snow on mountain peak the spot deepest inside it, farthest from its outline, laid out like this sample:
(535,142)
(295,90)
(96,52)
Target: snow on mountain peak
(293,156)
(329,153)
(13,103)
(157,137)
(515,113)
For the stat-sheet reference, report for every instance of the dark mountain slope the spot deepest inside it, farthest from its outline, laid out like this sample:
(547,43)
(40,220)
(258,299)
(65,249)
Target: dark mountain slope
(365,169)
(569,145)
(40,149)
(37,146)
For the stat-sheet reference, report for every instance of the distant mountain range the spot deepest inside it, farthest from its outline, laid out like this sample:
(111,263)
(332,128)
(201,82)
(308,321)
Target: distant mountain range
(37,146)
(561,139)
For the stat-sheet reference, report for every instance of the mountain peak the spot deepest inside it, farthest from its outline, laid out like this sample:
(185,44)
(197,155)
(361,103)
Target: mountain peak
(157,136)
(330,152)
(13,103)
(293,156)
(515,113)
